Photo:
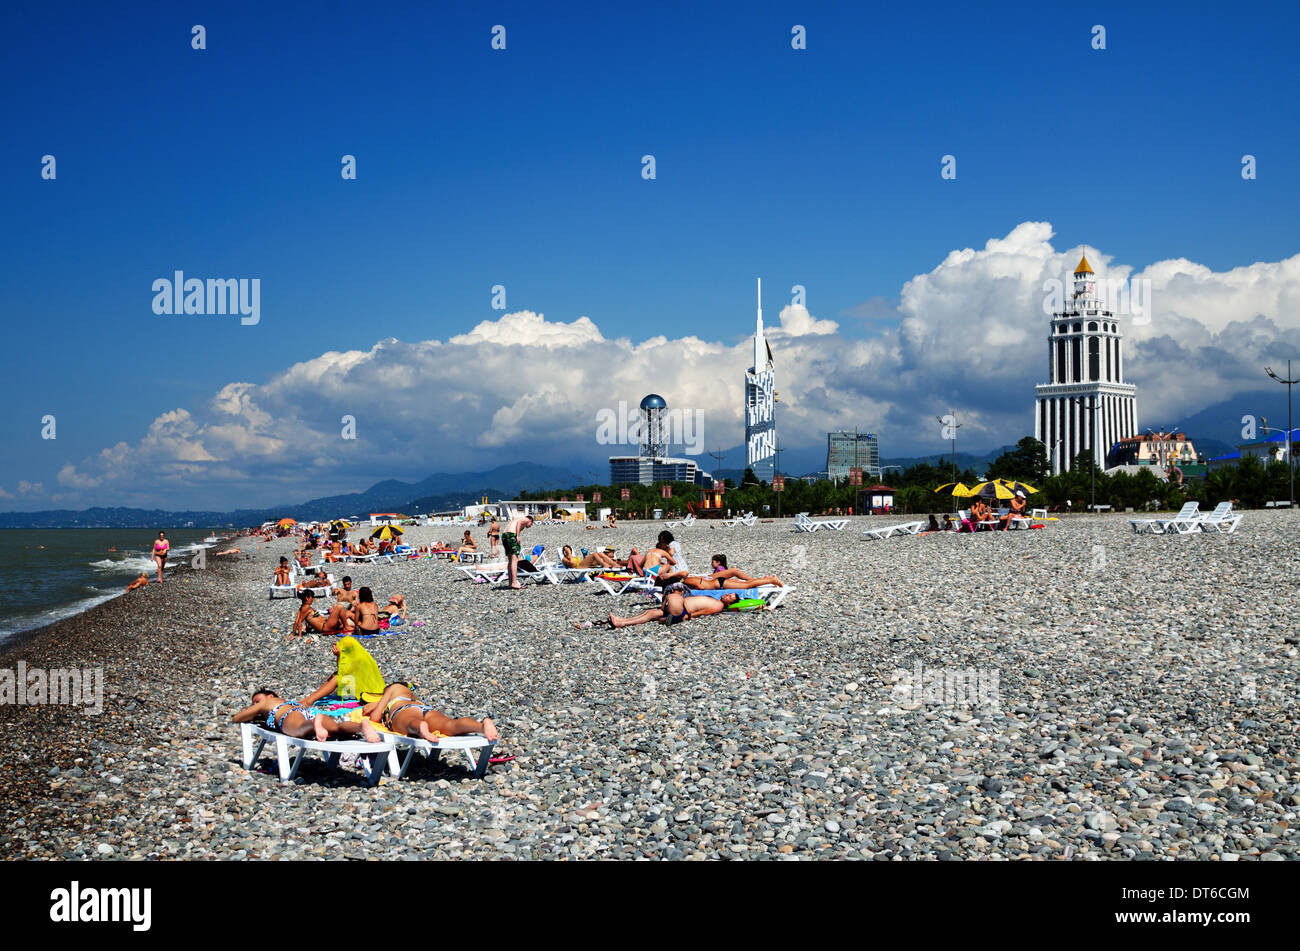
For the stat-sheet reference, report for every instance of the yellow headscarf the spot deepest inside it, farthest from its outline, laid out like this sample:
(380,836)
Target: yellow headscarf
(359,677)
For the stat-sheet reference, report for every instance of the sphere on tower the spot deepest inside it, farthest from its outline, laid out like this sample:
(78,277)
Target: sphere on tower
(654,442)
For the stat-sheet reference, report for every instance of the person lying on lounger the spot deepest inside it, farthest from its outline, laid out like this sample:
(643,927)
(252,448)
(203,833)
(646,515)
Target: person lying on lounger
(677,607)
(721,577)
(593,559)
(309,619)
(295,719)
(400,711)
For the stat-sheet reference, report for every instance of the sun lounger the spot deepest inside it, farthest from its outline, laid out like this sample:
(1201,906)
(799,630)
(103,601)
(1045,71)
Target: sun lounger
(687,522)
(409,746)
(749,519)
(289,590)
(621,585)
(889,531)
(374,755)
(1180,524)
(1222,520)
(803,523)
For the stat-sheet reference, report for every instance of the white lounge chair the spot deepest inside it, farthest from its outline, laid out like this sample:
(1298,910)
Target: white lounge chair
(374,755)
(803,523)
(749,519)
(287,590)
(1182,523)
(1222,520)
(889,531)
(400,762)
(687,522)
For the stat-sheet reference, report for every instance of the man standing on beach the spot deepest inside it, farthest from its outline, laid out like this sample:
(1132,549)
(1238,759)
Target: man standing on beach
(510,542)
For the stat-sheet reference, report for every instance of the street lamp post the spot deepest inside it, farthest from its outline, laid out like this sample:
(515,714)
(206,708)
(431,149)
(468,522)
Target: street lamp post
(1289,431)
(950,423)
(1092,444)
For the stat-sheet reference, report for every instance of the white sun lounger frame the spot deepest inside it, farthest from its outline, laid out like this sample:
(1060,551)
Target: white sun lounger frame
(888,531)
(805,523)
(400,761)
(375,755)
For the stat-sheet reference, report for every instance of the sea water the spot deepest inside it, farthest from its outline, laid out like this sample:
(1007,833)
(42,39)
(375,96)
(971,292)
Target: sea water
(49,574)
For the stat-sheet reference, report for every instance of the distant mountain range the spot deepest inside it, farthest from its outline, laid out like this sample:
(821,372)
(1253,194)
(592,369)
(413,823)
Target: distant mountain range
(440,491)
(1220,426)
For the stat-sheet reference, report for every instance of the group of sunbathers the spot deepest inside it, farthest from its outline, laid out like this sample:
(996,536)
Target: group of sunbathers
(981,514)
(396,708)
(353,612)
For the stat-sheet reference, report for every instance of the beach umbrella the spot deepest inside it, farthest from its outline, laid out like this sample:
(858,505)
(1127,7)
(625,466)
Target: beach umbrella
(1017,488)
(958,489)
(340,523)
(992,490)
(286,523)
(386,532)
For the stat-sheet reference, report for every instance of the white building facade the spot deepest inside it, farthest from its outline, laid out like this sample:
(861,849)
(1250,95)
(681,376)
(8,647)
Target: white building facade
(1086,406)
(760,404)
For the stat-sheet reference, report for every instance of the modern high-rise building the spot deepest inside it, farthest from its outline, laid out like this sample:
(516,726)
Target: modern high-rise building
(846,450)
(760,404)
(1086,406)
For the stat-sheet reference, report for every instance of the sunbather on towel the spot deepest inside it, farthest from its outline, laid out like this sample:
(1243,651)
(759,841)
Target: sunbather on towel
(309,619)
(295,719)
(396,607)
(400,711)
(677,607)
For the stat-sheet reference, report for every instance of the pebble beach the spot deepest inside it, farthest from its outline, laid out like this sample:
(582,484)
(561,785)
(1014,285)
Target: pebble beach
(1072,693)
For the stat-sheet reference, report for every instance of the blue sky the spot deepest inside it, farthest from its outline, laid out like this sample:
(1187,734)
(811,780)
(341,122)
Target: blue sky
(522,168)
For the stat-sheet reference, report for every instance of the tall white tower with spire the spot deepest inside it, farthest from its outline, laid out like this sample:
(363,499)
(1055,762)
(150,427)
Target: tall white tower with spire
(1086,406)
(760,403)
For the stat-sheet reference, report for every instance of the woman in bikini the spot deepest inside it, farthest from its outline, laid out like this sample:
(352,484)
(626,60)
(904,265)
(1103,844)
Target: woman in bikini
(468,544)
(309,620)
(494,535)
(160,549)
(401,712)
(367,616)
(296,719)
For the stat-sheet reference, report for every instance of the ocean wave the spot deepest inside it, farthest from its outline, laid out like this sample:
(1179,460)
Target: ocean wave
(132,564)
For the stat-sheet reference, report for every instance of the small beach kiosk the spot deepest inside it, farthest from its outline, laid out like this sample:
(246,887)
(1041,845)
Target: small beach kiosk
(879,499)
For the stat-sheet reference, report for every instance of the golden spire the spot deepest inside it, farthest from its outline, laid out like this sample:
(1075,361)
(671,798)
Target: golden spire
(1083,267)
